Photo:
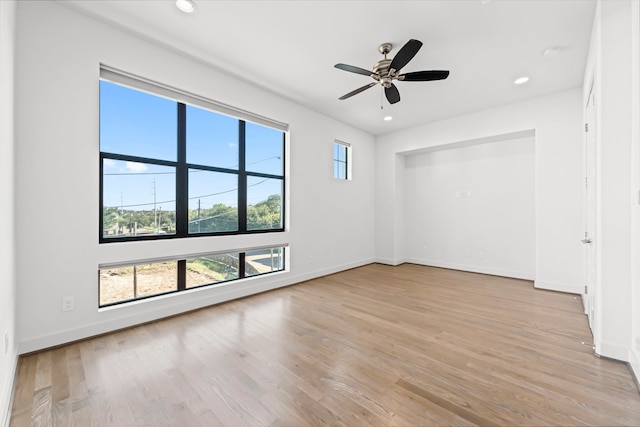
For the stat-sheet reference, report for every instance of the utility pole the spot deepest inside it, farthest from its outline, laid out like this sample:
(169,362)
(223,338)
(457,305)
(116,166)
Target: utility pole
(121,213)
(155,214)
(198,215)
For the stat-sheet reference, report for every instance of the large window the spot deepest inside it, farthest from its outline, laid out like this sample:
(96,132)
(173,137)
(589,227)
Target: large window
(119,284)
(172,169)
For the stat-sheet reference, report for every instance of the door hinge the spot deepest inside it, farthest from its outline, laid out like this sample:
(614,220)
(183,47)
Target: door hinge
(586,127)
(586,290)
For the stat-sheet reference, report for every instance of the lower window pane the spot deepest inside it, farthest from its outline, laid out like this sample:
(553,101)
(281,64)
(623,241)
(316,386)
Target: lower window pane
(340,169)
(138,199)
(128,283)
(213,201)
(211,269)
(264,261)
(264,203)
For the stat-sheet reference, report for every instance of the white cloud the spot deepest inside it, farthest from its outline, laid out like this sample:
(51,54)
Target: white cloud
(108,163)
(232,145)
(136,167)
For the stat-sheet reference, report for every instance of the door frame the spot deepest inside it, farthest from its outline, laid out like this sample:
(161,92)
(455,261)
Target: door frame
(591,296)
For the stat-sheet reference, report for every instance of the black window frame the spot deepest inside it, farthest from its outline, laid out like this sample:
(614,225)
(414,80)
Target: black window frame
(182,168)
(181,271)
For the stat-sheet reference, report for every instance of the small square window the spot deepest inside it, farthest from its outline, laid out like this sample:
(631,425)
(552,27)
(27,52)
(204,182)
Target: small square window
(341,160)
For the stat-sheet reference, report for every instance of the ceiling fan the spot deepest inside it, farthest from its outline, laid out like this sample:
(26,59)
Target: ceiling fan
(386,71)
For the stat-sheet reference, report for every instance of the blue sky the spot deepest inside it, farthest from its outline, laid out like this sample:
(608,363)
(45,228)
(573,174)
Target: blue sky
(139,124)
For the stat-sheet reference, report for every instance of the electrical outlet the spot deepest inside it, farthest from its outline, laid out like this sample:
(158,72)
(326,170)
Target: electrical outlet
(68,303)
(481,255)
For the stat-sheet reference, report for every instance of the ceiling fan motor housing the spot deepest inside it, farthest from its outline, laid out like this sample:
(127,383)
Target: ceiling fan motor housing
(382,67)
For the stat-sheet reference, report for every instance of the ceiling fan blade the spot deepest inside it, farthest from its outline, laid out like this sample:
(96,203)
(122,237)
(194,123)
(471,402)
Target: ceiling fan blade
(357,91)
(352,69)
(424,76)
(405,54)
(392,94)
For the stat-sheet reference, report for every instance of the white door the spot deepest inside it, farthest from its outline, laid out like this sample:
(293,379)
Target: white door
(590,239)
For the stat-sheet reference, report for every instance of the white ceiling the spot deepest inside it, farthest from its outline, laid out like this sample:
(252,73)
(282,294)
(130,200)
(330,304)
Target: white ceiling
(291,47)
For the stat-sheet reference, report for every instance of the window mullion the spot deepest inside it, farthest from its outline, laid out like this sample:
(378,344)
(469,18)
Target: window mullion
(242,178)
(241,265)
(182,175)
(346,162)
(182,275)
(101,195)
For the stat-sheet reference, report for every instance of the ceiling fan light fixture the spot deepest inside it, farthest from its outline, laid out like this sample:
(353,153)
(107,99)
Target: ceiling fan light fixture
(186,6)
(387,118)
(521,80)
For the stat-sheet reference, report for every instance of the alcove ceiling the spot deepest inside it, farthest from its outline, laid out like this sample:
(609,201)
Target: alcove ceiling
(291,47)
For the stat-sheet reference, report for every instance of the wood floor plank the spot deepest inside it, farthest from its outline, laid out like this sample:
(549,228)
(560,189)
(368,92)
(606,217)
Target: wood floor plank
(24,391)
(376,346)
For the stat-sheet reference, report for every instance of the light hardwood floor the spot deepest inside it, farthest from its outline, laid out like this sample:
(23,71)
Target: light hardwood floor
(376,345)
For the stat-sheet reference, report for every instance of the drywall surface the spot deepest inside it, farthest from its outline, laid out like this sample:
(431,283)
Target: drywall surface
(472,208)
(330,223)
(556,121)
(8,353)
(634,356)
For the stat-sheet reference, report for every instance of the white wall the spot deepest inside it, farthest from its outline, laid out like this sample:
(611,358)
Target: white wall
(472,208)
(8,356)
(610,66)
(58,57)
(634,353)
(557,123)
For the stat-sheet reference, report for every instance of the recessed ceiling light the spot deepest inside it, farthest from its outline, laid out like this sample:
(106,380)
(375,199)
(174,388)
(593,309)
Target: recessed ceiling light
(387,118)
(521,80)
(551,52)
(187,6)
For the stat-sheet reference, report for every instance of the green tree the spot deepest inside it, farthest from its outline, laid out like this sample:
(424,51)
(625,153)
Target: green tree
(266,214)
(109,218)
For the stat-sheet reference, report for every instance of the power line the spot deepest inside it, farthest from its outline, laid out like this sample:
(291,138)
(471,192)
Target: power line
(191,198)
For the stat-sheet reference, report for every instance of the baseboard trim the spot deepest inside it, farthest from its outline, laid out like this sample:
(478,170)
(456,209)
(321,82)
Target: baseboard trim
(472,268)
(634,367)
(208,297)
(393,262)
(6,399)
(614,352)
(559,287)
